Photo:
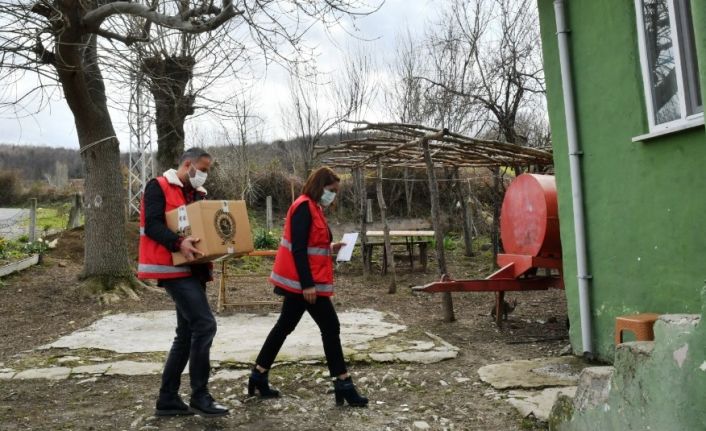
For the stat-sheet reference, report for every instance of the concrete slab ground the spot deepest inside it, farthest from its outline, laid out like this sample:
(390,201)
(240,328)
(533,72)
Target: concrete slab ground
(54,373)
(532,386)
(365,335)
(538,403)
(533,373)
(134,368)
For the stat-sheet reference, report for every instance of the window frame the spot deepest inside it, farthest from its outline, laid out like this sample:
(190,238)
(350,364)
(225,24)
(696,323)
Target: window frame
(686,120)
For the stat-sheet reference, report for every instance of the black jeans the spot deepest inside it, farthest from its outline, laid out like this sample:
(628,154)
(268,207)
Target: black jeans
(324,315)
(195,330)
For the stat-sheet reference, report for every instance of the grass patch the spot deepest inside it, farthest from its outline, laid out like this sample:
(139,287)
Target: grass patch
(57,217)
(52,218)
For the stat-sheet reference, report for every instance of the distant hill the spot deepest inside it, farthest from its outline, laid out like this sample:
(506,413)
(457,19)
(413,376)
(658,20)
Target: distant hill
(35,163)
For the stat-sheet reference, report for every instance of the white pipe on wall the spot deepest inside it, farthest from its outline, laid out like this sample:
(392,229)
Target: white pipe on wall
(575,173)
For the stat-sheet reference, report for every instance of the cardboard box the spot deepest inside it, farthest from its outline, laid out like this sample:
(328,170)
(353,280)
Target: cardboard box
(222,227)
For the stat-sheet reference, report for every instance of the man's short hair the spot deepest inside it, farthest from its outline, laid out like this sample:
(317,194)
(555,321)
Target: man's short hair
(193,154)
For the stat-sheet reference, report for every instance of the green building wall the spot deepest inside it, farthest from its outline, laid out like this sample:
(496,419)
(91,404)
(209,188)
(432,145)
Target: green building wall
(658,385)
(645,202)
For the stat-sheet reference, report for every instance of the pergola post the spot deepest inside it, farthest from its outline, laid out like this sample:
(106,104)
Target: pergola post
(389,256)
(408,191)
(359,178)
(446,300)
(467,227)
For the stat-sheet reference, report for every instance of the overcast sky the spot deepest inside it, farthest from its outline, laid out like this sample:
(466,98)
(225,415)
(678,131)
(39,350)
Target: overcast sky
(54,125)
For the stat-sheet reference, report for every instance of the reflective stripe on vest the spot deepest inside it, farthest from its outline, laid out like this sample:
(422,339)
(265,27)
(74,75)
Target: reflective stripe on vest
(162,269)
(310,250)
(294,284)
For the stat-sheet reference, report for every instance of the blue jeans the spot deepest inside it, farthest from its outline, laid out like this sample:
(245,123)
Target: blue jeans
(196,328)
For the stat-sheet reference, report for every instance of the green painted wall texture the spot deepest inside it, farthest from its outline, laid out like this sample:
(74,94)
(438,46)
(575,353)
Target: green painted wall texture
(663,388)
(645,202)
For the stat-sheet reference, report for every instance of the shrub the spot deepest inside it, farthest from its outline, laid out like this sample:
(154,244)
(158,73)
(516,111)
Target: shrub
(264,240)
(10,189)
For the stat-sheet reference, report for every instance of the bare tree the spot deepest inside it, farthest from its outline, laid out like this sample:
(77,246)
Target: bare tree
(490,56)
(183,68)
(318,106)
(234,170)
(404,95)
(56,44)
(502,69)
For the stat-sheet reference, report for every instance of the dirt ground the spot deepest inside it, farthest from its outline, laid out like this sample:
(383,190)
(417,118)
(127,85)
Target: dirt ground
(43,303)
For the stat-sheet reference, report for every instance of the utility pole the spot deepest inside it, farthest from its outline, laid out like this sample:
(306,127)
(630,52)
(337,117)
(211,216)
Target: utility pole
(141,160)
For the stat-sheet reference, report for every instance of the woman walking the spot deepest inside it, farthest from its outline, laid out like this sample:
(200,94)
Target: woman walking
(303,274)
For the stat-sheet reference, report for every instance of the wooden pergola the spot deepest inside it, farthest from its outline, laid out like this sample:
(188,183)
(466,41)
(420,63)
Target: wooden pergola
(419,147)
(402,145)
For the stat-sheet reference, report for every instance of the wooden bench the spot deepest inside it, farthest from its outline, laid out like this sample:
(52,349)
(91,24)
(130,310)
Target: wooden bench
(412,238)
(422,244)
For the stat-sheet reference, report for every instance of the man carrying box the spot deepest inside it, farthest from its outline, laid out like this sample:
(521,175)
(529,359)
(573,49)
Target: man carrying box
(186,284)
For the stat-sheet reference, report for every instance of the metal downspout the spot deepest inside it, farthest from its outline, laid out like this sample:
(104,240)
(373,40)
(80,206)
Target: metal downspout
(575,173)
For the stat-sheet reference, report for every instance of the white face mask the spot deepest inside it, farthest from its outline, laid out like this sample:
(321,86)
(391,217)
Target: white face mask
(199,178)
(327,198)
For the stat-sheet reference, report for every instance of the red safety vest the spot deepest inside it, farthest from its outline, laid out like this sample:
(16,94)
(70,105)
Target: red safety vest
(155,261)
(284,272)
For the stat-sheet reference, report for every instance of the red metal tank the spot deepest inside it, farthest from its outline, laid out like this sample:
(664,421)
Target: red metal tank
(529,221)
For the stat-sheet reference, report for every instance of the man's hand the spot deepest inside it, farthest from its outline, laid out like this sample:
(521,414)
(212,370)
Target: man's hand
(309,294)
(188,250)
(337,246)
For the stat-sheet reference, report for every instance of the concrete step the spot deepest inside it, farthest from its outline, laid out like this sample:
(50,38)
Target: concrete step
(593,388)
(633,348)
(669,326)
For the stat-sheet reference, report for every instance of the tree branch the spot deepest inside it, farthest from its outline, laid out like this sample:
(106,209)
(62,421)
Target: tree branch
(44,56)
(192,21)
(127,40)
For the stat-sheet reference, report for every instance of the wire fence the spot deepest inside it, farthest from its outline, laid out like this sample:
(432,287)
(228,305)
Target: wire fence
(14,223)
(17,223)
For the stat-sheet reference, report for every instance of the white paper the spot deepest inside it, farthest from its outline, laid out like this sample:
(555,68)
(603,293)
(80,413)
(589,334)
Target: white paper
(346,252)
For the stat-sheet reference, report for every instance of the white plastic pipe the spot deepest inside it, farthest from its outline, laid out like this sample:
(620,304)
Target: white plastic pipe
(575,153)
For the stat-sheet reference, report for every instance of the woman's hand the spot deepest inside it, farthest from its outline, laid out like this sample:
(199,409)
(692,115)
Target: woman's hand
(309,294)
(337,246)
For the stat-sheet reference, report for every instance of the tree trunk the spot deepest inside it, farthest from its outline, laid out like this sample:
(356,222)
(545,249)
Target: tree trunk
(244,168)
(446,300)
(389,253)
(495,234)
(105,250)
(169,78)
(408,188)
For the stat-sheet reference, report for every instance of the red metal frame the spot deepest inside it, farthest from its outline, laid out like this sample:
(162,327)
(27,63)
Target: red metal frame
(529,227)
(517,273)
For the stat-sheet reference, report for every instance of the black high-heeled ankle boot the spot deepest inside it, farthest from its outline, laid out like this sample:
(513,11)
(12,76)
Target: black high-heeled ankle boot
(261,382)
(345,390)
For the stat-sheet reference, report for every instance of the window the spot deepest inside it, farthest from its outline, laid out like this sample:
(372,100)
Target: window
(669,66)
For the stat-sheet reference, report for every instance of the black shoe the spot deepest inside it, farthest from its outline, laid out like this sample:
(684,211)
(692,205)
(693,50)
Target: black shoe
(172,406)
(206,406)
(345,390)
(261,382)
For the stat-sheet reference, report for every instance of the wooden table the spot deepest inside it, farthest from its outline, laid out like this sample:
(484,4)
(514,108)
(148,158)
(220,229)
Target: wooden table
(222,291)
(420,238)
